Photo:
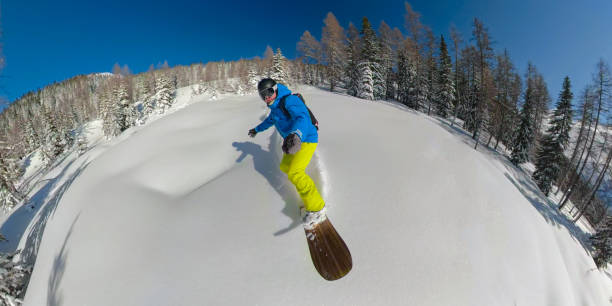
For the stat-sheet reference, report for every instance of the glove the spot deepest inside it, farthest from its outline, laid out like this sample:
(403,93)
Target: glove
(292,144)
(252,133)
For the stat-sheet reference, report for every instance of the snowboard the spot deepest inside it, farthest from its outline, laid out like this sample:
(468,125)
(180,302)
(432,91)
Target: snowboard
(330,255)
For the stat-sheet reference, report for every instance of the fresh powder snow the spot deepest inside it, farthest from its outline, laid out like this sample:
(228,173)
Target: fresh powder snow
(188,210)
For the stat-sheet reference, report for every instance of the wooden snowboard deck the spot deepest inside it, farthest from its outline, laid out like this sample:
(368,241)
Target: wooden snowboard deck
(330,255)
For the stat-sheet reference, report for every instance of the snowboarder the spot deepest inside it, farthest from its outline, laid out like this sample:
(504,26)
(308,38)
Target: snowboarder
(296,124)
(300,142)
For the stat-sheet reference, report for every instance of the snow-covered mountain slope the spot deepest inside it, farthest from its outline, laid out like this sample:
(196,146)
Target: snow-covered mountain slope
(190,211)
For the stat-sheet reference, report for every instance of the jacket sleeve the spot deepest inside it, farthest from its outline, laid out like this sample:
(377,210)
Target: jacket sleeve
(265,124)
(299,115)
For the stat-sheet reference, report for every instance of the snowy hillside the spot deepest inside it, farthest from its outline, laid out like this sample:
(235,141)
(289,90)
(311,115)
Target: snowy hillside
(188,210)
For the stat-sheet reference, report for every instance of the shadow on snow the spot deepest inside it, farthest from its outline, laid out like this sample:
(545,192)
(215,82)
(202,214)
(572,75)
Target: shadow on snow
(54,295)
(267,164)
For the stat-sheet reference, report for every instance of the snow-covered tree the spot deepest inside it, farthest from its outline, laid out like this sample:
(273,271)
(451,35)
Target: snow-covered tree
(9,174)
(14,277)
(252,78)
(370,50)
(280,71)
(54,142)
(81,143)
(124,108)
(146,84)
(602,243)
(108,112)
(8,200)
(407,74)
(365,89)
(30,136)
(147,105)
(550,155)
(163,87)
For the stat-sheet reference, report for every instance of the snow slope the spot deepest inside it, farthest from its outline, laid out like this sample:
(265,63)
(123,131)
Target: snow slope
(190,211)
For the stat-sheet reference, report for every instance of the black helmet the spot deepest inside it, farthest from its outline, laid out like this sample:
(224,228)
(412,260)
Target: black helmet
(266,88)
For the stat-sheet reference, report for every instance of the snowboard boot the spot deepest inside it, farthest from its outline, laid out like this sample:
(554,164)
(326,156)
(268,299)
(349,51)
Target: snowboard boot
(310,219)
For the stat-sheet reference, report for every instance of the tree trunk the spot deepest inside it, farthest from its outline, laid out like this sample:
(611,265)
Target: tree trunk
(590,148)
(565,174)
(490,138)
(601,91)
(600,178)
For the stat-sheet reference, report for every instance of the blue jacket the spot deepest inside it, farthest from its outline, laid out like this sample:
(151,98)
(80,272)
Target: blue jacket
(299,123)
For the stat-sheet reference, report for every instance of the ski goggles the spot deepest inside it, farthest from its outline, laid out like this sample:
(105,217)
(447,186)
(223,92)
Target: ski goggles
(268,92)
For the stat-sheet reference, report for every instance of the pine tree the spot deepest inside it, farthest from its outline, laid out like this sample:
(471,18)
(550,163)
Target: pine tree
(9,174)
(164,93)
(550,156)
(30,137)
(407,74)
(445,93)
(471,89)
(124,114)
(148,102)
(14,277)
(7,199)
(252,78)
(524,134)
(402,78)
(369,57)
(144,87)
(54,144)
(279,68)
(82,144)
(365,88)
(108,113)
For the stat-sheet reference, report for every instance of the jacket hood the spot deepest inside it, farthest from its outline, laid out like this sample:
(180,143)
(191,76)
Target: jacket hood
(282,91)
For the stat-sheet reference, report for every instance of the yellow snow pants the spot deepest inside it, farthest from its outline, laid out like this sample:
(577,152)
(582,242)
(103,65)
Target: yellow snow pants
(294,165)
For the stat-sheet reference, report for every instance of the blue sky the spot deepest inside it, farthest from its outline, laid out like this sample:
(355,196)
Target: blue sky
(47,41)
